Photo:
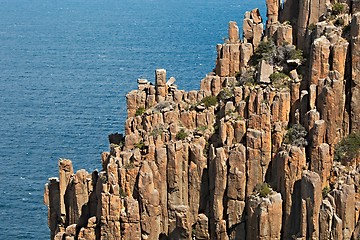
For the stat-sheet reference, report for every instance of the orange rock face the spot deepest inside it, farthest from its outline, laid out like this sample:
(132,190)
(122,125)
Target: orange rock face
(248,156)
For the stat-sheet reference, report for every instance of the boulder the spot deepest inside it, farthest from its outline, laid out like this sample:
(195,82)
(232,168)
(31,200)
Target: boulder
(265,70)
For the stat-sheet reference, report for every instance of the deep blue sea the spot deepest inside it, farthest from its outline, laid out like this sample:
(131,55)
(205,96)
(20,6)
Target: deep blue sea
(65,68)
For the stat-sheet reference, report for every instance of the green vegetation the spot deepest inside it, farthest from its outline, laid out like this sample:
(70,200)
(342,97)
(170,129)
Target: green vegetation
(277,55)
(346,31)
(263,189)
(225,94)
(325,191)
(338,8)
(157,131)
(277,76)
(279,80)
(122,193)
(129,165)
(181,135)
(193,232)
(348,149)
(296,135)
(202,128)
(206,149)
(139,145)
(246,78)
(140,111)
(339,22)
(296,54)
(114,145)
(312,27)
(265,51)
(163,104)
(209,101)
(288,52)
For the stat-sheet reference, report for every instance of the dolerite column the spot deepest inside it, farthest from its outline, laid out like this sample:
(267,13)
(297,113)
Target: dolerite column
(160,84)
(311,201)
(52,201)
(65,172)
(355,85)
(264,217)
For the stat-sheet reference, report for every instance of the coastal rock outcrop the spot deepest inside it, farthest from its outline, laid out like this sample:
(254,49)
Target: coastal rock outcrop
(267,148)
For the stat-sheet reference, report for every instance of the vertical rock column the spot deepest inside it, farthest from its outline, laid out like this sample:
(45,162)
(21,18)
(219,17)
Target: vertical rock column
(289,11)
(253,27)
(355,85)
(284,34)
(198,184)
(273,7)
(264,217)
(228,57)
(321,161)
(160,84)
(340,53)
(134,100)
(218,180)
(236,192)
(331,106)
(319,60)
(311,201)
(65,172)
(52,201)
(258,141)
(149,203)
(254,170)
(161,185)
(287,171)
(177,180)
(309,13)
(233,32)
(77,198)
(130,219)
(345,206)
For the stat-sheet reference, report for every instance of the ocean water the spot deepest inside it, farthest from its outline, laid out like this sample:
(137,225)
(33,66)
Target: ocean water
(65,68)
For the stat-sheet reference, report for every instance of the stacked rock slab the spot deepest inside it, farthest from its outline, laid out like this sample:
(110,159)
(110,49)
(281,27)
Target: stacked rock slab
(220,162)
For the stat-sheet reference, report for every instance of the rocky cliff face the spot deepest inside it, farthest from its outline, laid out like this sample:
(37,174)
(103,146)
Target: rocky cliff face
(254,154)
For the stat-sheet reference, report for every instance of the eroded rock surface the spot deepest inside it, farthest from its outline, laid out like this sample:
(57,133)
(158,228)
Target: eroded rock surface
(248,156)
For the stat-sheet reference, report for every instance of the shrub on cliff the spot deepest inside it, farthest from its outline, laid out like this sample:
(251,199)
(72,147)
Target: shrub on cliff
(139,145)
(338,8)
(311,27)
(209,101)
(263,189)
(348,149)
(162,105)
(288,52)
(265,51)
(246,78)
(225,94)
(181,135)
(140,111)
(296,135)
(279,80)
(325,191)
(277,55)
(339,22)
(157,131)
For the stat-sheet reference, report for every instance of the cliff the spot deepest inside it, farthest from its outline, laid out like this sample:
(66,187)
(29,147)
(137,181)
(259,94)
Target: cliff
(268,148)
